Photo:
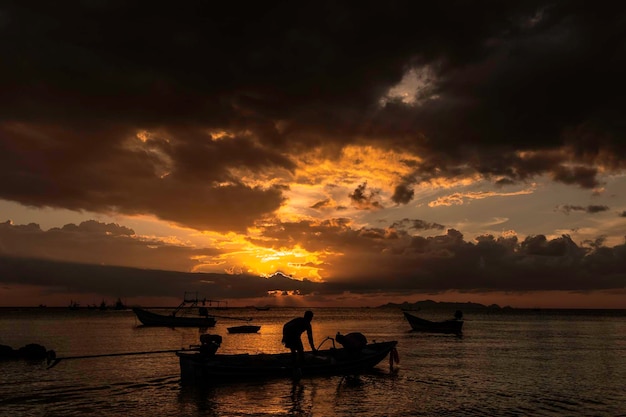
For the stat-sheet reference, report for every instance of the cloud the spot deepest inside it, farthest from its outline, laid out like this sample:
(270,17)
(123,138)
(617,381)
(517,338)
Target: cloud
(108,174)
(402,194)
(460,198)
(590,209)
(379,260)
(426,265)
(215,116)
(417,224)
(61,277)
(365,201)
(583,176)
(93,242)
(103,258)
(203,121)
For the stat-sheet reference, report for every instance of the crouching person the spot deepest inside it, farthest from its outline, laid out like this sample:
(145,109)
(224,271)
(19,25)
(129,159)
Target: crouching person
(352,342)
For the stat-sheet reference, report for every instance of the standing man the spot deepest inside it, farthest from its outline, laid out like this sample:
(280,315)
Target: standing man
(292,331)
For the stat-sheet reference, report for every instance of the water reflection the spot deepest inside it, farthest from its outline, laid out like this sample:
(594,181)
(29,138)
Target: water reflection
(297,399)
(198,399)
(306,397)
(505,364)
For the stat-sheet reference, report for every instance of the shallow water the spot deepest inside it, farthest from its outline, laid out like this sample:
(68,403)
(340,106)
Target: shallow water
(506,363)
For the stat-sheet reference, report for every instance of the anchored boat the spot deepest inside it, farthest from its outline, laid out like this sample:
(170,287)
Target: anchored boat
(422,325)
(244,329)
(182,316)
(149,318)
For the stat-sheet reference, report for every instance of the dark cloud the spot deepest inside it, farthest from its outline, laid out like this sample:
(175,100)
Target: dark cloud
(187,181)
(392,260)
(591,209)
(97,243)
(322,204)
(96,228)
(508,83)
(111,281)
(385,264)
(365,200)
(539,245)
(583,176)
(417,224)
(402,194)
(596,208)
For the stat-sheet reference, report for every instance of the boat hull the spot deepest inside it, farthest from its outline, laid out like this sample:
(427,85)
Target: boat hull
(421,325)
(148,318)
(197,367)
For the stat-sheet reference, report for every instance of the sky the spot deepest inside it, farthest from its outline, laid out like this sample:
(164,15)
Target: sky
(313,153)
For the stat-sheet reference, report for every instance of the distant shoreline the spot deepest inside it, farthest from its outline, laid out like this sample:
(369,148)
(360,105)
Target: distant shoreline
(427,306)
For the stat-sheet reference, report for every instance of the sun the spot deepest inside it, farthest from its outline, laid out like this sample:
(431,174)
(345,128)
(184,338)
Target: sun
(294,262)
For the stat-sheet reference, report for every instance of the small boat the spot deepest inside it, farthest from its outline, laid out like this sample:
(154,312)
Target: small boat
(207,366)
(422,325)
(243,329)
(266,308)
(149,318)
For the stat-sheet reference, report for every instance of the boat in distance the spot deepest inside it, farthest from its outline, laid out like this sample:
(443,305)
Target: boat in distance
(214,368)
(149,318)
(419,324)
(244,329)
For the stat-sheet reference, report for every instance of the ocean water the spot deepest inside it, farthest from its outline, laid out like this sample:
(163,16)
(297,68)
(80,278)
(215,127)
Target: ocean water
(507,363)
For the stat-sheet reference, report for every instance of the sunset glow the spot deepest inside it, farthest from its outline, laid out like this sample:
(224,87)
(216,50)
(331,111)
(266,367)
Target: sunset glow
(320,158)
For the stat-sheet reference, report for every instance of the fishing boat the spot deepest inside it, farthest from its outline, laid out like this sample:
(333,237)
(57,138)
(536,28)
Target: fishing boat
(244,329)
(207,366)
(181,316)
(149,318)
(419,324)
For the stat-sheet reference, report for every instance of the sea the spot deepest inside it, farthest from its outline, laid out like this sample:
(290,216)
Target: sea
(506,363)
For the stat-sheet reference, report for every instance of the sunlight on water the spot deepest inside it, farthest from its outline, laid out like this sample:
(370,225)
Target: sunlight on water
(504,364)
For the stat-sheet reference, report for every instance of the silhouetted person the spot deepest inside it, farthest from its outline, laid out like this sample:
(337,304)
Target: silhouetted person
(292,331)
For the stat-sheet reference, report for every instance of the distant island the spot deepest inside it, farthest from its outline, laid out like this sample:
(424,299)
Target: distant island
(440,305)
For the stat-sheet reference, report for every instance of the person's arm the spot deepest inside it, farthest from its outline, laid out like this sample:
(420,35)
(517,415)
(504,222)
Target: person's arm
(309,333)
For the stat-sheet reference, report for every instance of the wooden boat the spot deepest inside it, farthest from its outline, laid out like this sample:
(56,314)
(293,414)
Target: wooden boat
(422,325)
(149,318)
(244,329)
(181,316)
(206,366)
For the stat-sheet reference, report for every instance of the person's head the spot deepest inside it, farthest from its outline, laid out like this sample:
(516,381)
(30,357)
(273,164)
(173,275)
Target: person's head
(308,315)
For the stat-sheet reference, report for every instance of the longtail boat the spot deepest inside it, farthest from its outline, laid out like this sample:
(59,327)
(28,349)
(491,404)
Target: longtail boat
(149,318)
(422,325)
(207,366)
(182,316)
